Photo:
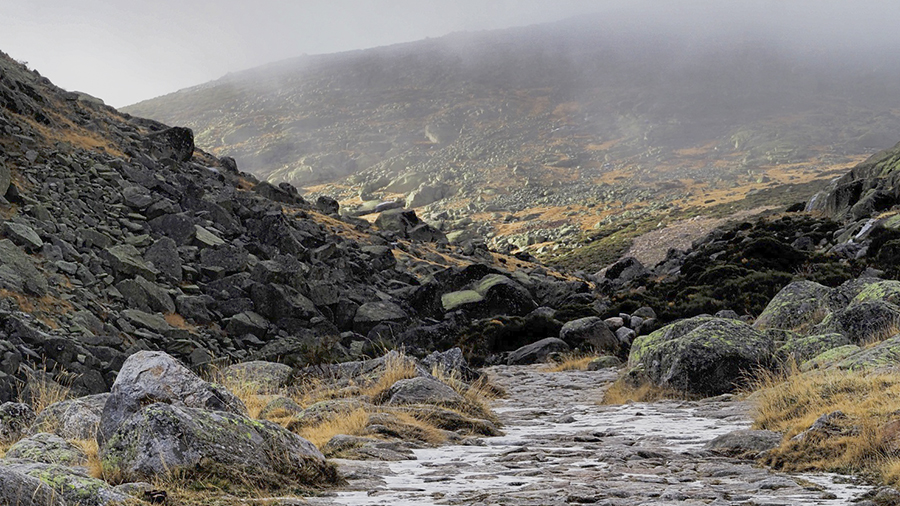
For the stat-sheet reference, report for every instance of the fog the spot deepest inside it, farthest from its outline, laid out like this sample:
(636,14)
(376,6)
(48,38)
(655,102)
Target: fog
(127,52)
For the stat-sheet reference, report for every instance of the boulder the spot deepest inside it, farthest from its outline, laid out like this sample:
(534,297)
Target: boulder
(162,438)
(23,235)
(422,390)
(260,375)
(73,419)
(22,489)
(146,295)
(590,333)
(176,143)
(47,448)
(798,306)
(538,351)
(162,255)
(371,314)
(5,178)
(802,348)
(15,419)
(863,322)
(745,443)
(701,355)
(884,355)
(327,205)
(153,376)
(178,227)
(452,363)
(126,262)
(53,484)
(17,271)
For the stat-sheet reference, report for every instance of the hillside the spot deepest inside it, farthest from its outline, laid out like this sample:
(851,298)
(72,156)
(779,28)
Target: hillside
(545,136)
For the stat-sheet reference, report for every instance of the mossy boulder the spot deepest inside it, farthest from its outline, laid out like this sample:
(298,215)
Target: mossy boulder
(702,356)
(864,322)
(797,306)
(47,448)
(884,355)
(162,438)
(888,291)
(829,358)
(54,484)
(152,377)
(803,348)
(22,489)
(462,299)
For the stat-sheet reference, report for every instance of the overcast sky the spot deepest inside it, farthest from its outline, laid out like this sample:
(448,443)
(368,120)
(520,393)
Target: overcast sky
(125,51)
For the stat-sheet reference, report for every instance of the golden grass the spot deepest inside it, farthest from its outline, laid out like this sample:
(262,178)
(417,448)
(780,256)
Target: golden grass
(571,362)
(862,441)
(396,367)
(45,392)
(477,395)
(622,392)
(352,424)
(92,450)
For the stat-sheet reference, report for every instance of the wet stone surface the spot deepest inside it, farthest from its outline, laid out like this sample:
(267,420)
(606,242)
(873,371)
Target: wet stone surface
(562,447)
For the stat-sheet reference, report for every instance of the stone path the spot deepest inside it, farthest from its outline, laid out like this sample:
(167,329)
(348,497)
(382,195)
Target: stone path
(562,447)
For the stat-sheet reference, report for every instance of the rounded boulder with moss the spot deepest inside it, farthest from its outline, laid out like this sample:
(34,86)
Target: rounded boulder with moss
(700,356)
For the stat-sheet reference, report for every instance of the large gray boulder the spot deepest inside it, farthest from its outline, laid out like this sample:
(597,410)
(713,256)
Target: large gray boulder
(22,489)
(537,351)
(17,271)
(73,419)
(864,322)
(40,484)
(590,333)
(162,438)
(701,355)
(745,443)
(156,377)
(798,306)
(423,390)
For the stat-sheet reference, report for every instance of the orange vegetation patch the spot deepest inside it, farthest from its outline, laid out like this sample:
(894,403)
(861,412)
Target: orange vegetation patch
(178,321)
(697,150)
(42,308)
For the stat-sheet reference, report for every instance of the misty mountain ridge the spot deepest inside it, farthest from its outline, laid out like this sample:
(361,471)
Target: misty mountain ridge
(509,134)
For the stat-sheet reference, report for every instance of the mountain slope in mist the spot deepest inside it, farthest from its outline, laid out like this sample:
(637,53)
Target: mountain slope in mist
(552,132)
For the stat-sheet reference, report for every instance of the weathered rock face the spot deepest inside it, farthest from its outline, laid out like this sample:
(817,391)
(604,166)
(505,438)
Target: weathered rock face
(422,390)
(705,356)
(22,489)
(798,305)
(73,419)
(592,333)
(537,351)
(161,438)
(157,377)
(52,484)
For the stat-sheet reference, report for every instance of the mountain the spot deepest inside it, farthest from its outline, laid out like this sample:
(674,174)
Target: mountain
(544,137)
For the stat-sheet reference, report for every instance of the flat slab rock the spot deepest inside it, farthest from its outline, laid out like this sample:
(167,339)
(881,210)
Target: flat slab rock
(562,447)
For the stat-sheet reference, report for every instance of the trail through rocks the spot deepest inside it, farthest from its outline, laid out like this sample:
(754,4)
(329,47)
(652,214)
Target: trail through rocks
(562,447)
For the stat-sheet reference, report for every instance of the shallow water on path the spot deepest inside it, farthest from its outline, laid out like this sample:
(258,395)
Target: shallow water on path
(562,447)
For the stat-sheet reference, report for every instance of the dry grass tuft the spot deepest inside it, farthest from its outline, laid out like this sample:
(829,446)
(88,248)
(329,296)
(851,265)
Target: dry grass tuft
(396,367)
(622,392)
(575,361)
(352,424)
(45,392)
(478,395)
(860,441)
(92,450)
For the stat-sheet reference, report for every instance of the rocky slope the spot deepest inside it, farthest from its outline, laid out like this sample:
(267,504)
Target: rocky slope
(119,236)
(534,138)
